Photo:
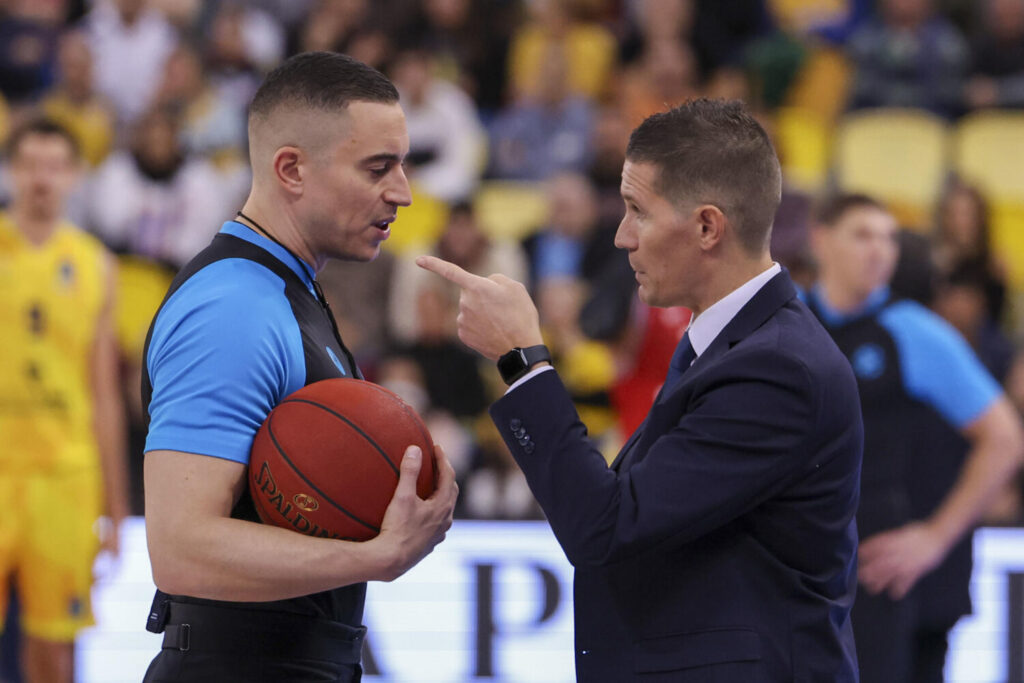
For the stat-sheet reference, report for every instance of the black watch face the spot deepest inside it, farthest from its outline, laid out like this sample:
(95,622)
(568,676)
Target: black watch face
(511,364)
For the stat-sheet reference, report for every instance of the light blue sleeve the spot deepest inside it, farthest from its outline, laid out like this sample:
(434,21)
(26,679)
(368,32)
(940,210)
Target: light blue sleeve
(225,350)
(939,367)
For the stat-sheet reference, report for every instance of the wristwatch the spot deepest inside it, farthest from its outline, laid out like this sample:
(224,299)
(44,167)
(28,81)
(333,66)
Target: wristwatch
(517,362)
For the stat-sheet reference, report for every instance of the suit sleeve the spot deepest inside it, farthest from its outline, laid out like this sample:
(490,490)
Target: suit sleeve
(742,440)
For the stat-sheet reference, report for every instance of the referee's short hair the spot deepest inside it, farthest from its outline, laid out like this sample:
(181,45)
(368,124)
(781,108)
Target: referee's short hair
(324,81)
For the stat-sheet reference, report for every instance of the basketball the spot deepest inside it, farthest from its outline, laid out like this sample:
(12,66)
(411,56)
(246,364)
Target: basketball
(326,460)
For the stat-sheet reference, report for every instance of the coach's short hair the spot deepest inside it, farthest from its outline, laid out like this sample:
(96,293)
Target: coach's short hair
(834,208)
(324,81)
(713,151)
(42,126)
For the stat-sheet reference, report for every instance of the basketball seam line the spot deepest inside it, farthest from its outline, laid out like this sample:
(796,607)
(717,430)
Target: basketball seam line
(427,439)
(270,430)
(350,424)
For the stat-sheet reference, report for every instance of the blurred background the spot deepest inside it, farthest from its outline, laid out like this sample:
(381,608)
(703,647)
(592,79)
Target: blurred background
(518,113)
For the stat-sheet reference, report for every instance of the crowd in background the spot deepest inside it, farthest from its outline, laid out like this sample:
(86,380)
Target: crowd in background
(518,114)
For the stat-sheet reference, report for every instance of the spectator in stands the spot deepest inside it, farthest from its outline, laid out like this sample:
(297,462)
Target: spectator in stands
(721,31)
(664,77)
(352,27)
(470,43)
(130,42)
(154,200)
(211,124)
(448,144)
(649,21)
(997,70)
(716,32)
(574,243)
(545,132)
(962,299)
(940,440)
(587,366)
(29,33)
(450,371)
(909,57)
(962,239)
(234,57)
(561,29)
(360,296)
(463,242)
(608,150)
(74,103)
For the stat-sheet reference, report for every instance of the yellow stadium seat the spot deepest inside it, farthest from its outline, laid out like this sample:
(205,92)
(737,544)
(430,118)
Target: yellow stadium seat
(1007,236)
(141,286)
(510,210)
(899,156)
(803,137)
(988,151)
(823,83)
(418,226)
(802,16)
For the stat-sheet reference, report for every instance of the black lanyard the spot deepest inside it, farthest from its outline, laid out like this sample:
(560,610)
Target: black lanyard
(316,287)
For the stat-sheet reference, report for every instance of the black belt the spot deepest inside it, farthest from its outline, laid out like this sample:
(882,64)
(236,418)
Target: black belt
(246,632)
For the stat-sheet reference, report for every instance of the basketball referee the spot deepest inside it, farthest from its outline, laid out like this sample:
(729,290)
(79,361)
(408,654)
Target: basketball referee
(243,325)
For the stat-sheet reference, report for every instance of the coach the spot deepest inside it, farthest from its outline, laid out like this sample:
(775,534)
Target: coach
(720,544)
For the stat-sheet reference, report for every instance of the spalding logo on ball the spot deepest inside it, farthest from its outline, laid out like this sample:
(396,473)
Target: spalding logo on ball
(326,460)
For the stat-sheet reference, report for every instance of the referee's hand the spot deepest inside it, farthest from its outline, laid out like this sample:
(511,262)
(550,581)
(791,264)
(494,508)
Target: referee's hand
(412,527)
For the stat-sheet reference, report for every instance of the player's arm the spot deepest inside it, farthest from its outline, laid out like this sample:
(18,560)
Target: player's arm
(108,411)
(967,397)
(197,549)
(997,453)
(895,560)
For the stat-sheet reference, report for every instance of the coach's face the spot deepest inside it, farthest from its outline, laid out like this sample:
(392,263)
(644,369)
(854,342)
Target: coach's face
(660,237)
(359,182)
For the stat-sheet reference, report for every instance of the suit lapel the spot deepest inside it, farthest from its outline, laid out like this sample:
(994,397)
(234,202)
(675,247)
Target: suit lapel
(775,294)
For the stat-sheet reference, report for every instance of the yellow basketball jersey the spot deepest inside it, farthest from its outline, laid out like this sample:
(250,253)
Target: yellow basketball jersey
(51,296)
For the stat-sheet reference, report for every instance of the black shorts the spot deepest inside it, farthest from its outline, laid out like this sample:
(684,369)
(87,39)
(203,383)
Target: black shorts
(225,645)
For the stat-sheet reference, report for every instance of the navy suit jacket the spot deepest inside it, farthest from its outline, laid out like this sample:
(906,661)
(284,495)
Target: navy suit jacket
(721,543)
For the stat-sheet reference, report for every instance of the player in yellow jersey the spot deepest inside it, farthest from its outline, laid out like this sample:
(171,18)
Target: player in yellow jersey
(61,416)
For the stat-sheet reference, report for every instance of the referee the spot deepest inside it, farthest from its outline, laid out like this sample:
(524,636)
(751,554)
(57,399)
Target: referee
(243,325)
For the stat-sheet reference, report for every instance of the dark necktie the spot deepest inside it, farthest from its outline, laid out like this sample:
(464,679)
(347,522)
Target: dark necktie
(682,358)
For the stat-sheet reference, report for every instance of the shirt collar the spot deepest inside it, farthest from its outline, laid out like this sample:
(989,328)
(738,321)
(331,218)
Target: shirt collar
(297,265)
(706,326)
(833,316)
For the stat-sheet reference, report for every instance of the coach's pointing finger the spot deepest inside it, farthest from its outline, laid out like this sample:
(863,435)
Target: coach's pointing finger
(448,270)
(496,313)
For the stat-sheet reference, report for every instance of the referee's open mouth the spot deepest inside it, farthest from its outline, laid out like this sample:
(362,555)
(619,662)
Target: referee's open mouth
(384,226)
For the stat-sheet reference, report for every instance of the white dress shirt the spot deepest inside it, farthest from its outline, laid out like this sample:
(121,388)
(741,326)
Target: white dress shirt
(705,327)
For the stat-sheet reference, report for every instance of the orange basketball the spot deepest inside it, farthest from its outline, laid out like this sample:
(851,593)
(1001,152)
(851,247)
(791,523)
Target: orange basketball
(326,460)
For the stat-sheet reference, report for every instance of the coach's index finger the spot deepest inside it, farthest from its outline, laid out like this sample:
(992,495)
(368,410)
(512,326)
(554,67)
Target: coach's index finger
(447,270)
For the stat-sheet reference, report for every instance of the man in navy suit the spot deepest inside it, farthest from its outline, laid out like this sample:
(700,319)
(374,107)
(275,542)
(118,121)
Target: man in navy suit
(721,543)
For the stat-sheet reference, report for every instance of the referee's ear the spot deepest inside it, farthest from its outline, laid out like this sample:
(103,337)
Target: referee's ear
(289,169)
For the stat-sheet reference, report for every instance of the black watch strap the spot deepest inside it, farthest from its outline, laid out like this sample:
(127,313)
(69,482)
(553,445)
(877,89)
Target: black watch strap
(517,362)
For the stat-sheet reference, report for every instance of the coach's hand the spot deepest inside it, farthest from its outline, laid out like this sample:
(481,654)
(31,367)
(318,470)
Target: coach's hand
(496,313)
(412,527)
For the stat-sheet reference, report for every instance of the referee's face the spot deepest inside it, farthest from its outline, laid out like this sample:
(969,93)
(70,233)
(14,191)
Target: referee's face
(359,183)
(858,254)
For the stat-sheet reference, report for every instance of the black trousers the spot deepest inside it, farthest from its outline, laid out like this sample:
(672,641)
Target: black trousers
(204,644)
